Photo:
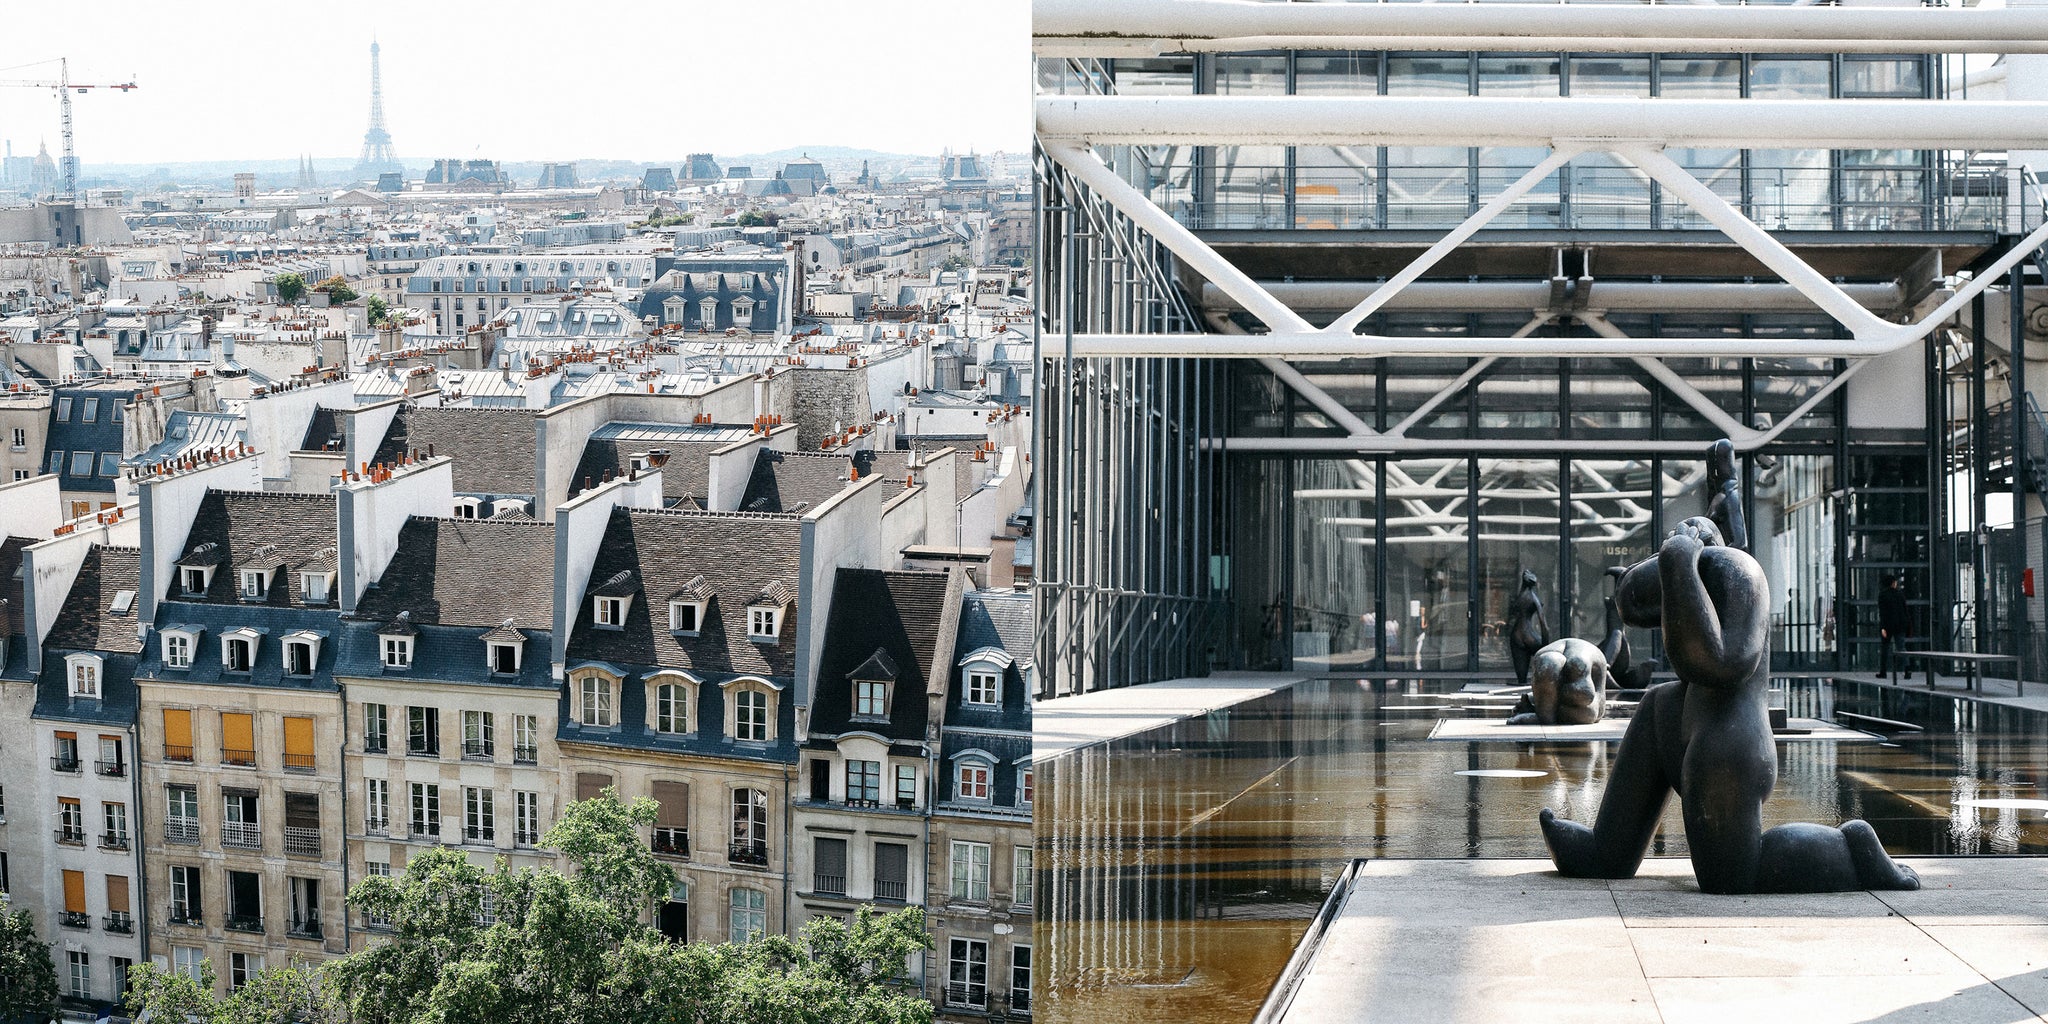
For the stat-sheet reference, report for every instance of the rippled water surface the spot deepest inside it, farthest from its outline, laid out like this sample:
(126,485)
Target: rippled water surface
(1184,863)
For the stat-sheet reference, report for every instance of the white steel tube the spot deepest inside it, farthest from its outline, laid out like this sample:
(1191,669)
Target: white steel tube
(1591,121)
(1089,28)
(1522,296)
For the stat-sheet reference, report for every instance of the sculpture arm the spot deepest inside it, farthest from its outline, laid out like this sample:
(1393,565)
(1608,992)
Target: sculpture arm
(1702,647)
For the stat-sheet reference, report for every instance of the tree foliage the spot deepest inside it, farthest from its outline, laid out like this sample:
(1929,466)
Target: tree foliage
(378,309)
(276,995)
(290,287)
(338,291)
(28,977)
(752,219)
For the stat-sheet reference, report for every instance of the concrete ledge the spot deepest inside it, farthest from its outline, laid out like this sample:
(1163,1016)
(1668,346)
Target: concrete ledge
(1512,941)
(1066,724)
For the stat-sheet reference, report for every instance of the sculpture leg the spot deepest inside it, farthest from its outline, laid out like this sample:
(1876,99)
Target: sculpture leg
(1805,857)
(1636,790)
(1724,828)
(1520,657)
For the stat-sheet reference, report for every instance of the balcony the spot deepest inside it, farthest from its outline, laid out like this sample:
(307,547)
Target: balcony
(181,830)
(71,836)
(306,929)
(75,919)
(174,752)
(375,745)
(245,923)
(750,853)
(671,842)
(525,755)
(482,750)
(975,996)
(119,923)
(528,837)
(114,841)
(896,890)
(110,769)
(303,842)
(829,885)
(67,765)
(186,916)
(239,758)
(241,834)
(426,828)
(377,826)
(298,762)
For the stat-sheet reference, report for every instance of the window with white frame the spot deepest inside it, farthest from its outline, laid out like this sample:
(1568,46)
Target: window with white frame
(177,649)
(608,612)
(397,651)
(188,961)
(526,818)
(863,781)
(479,815)
(504,657)
(970,871)
(967,973)
(525,739)
(255,584)
(479,734)
(671,709)
(763,623)
(971,780)
(376,805)
(870,698)
(85,675)
(376,869)
(426,809)
(196,579)
(243,969)
(594,704)
(299,657)
(685,617)
(750,716)
(376,728)
(983,687)
(238,650)
(906,785)
(315,586)
(749,915)
(1020,979)
(81,974)
(1024,788)
(1023,884)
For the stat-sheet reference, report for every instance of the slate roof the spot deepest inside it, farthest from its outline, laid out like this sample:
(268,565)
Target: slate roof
(686,477)
(784,480)
(272,624)
(83,622)
(899,623)
(328,426)
(71,434)
(258,529)
(737,555)
(1000,619)
(467,572)
(494,449)
(12,623)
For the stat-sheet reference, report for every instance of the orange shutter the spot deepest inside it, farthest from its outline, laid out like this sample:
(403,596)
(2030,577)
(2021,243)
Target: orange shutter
(117,894)
(72,736)
(178,728)
(237,732)
(298,742)
(74,892)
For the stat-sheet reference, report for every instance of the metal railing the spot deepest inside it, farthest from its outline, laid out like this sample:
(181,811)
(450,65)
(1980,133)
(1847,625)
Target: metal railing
(306,929)
(967,995)
(178,752)
(241,758)
(110,769)
(67,765)
(886,889)
(830,885)
(119,922)
(377,824)
(75,919)
(114,841)
(241,834)
(181,830)
(301,840)
(298,762)
(186,916)
(71,836)
(753,853)
(525,755)
(245,922)
(671,842)
(478,748)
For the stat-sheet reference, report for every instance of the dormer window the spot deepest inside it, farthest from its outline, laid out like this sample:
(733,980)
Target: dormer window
(610,600)
(686,607)
(595,698)
(982,687)
(238,649)
(255,584)
(394,642)
(317,586)
(971,779)
(178,642)
(609,612)
(764,613)
(503,649)
(742,310)
(870,699)
(84,671)
(196,580)
(750,710)
(466,508)
(301,652)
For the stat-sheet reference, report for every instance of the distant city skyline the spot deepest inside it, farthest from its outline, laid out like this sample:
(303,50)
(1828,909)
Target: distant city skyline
(617,81)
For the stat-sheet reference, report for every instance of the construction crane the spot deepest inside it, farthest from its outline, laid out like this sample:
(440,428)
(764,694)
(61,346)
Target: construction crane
(64,87)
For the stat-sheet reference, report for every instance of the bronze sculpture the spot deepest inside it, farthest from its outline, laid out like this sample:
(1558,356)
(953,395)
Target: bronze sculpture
(1527,632)
(1707,735)
(1568,686)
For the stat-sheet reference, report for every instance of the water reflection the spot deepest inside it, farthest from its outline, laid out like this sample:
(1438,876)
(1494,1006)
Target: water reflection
(1183,864)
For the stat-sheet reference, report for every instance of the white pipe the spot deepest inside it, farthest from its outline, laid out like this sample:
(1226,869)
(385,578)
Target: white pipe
(1321,399)
(1451,390)
(1609,296)
(1590,121)
(1080,28)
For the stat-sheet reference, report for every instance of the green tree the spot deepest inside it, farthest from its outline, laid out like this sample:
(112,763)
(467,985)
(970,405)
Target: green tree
(28,977)
(338,291)
(752,219)
(378,309)
(289,287)
(277,995)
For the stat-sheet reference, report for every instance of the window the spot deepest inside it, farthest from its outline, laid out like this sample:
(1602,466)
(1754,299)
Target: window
(972,780)
(526,818)
(504,658)
(70,821)
(85,676)
(479,815)
(23,474)
(967,973)
(376,725)
(196,578)
(749,827)
(110,464)
(596,703)
(423,731)
(255,584)
(608,612)
(685,617)
(892,871)
(1024,788)
(525,739)
(906,785)
(670,709)
(177,650)
(237,651)
(479,734)
(185,895)
(763,623)
(111,764)
(81,974)
(20,438)
(81,463)
(89,410)
(314,586)
(870,699)
(115,818)
(397,652)
(298,743)
(181,814)
(982,687)
(237,739)
(298,658)
(829,865)
(187,960)
(376,805)
(239,825)
(1020,979)
(121,966)
(426,809)
(1023,884)
(750,716)
(970,872)
(245,902)
(674,916)
(749,915)
(243,968)
(64,409)
(672,818)
(305,921)
(864,782)
(66,759)
(376,869)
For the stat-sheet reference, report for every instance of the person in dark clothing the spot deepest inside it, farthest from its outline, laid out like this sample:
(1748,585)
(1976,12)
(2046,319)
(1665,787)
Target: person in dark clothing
(1892,622)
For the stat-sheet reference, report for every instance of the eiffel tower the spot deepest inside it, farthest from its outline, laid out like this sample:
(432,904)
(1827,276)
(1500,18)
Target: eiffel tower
(378,157)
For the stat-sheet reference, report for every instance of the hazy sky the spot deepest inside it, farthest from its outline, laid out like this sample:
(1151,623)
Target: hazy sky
(518,80)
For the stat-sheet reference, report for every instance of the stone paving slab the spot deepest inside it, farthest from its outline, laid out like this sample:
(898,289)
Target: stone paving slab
(1511,941)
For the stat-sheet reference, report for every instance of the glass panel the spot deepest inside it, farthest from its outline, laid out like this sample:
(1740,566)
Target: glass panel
(1607,395)
(1428,185)
(1335,511)
(1161,76)
(1792,526)
(1519,396)
(1427,567)
(1610,75)
(1336,186)
(1883,76)
(1612,501)
(1518,530)
(1721,169)
(1499,167)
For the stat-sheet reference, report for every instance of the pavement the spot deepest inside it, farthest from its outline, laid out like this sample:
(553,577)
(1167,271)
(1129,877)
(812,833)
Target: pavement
(1456,941)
